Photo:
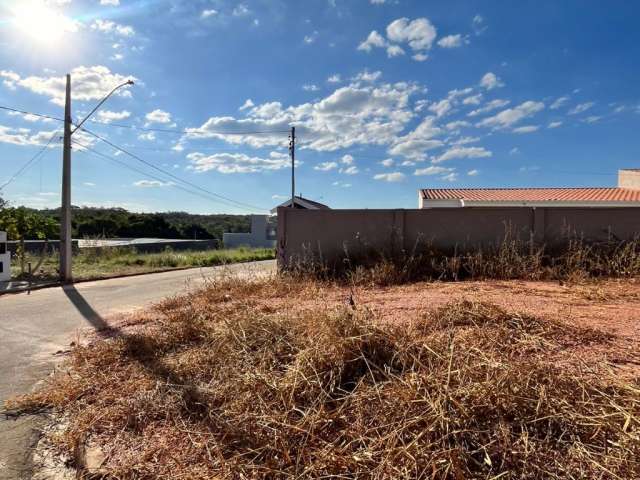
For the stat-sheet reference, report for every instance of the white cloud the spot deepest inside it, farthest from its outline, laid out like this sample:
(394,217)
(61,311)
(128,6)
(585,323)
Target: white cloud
(451,41)
(158,116)
(326,166)
(355,114)
(554,124)
(108,26)
(310,88)
(241,10)
(558,103)
(451,177)
(455,125)
(432,170)
(352,170)
(489,106)
(490,81)
(147,137)
(338,183)
(420,57)
(592,119)
(514,151)
(366,76)
(376,2)
(88,83)
(113,3)
(463,152)
(24,136)
(311,37)
(526,129)
(88,184)
(373,40)
(208,13)
(511,116)
(335,78)
(347,160)
(441,108)
(390,177)
(394,51)
(465,140)
(419,33)
(151,184)
(473,173)
(582,107)
(247,104)
(473,100)
(387,162)
(415,144)
(108,116)
(478,24)
(237,162)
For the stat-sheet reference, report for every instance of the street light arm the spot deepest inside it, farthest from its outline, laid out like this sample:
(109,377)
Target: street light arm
(128,82)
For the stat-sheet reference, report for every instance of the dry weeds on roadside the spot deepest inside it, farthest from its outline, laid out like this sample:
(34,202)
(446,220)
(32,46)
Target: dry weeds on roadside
(229,391)
(510,259)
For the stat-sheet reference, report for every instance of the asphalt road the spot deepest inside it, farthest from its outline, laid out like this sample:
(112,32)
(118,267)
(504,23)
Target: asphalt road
(33,327)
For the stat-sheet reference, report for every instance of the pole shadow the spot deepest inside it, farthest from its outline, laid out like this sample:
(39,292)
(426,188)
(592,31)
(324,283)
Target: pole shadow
(85,309)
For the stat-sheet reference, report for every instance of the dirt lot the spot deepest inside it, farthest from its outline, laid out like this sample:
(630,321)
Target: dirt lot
(301,379)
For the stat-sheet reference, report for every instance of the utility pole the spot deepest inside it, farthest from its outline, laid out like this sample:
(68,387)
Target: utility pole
(292,149)
(65,212)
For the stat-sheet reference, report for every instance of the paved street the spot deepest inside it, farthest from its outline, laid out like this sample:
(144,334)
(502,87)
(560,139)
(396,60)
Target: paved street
(34,327)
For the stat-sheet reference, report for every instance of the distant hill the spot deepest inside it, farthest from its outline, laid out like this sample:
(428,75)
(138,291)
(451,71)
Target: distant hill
(118,222)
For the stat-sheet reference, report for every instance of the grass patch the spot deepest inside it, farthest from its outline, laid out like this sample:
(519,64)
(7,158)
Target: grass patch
(95,263)
(510,259)
(221,387)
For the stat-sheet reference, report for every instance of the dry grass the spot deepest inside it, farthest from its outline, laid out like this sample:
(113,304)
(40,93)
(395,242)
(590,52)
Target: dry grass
(512,258)
(219,386)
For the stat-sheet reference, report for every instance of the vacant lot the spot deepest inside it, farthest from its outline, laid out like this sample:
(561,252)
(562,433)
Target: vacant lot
(283,378)
(96,263)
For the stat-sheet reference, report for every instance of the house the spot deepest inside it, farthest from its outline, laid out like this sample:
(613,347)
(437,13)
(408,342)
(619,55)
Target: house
(5,259)
(301,203)
(263,234)
(626,194)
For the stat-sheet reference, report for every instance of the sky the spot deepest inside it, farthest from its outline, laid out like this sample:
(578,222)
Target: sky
(387,96)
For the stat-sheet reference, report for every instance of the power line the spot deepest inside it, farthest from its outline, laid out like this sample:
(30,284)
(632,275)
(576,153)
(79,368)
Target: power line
(29,162)
(49,117)
(207,196)
(147,129)
(186,132)
(155,167)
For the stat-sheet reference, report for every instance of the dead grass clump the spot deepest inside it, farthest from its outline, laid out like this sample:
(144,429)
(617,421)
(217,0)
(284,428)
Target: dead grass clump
(511,258)
(236,393)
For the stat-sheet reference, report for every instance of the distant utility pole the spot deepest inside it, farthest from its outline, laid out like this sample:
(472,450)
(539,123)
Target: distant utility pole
(65,212)
(292,149)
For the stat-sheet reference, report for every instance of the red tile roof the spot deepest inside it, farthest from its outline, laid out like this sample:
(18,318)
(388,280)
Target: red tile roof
(533,194)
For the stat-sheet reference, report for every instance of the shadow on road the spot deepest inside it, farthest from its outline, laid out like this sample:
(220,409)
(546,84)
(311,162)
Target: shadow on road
(85,309)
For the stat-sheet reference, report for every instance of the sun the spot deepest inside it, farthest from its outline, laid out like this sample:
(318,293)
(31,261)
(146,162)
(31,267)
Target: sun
(41,22)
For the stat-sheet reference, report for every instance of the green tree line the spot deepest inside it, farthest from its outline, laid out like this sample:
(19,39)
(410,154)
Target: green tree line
(30,224)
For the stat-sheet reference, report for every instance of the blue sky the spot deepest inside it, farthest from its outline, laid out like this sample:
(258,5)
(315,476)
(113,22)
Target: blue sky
(387,96)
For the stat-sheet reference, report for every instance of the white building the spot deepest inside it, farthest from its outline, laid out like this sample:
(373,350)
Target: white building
(626,194)
(263,234)
(5,259)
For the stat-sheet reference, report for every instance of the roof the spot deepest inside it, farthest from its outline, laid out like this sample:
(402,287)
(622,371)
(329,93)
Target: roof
(303,203)
(533,194)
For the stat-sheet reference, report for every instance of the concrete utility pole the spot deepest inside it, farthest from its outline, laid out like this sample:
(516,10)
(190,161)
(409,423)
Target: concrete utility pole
(65,212)
(65,220)
(292,149)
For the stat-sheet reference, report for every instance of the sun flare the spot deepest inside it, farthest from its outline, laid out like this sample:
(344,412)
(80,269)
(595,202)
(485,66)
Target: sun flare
(41,22)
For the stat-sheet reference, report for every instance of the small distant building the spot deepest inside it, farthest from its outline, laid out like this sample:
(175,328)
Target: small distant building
(5,259)
(626,194)
(263,234)
(302,204)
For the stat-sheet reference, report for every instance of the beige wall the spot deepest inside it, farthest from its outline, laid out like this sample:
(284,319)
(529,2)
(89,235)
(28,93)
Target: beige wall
(629,179)
(328,234)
